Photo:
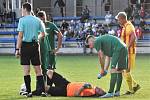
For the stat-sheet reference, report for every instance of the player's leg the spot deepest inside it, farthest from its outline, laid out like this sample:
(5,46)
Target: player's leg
(129,79)
(43,65)
(59,82)
(57,79)
(122,65)
(113,78)
(35,60)
(50,63)
(25,61)
(135,84)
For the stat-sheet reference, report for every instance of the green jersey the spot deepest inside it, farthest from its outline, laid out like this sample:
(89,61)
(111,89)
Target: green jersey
(108,44)
(51,31)
(48,44)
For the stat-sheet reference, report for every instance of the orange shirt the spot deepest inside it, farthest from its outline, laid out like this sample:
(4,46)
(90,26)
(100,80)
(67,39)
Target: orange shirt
(126,32)
(74,87)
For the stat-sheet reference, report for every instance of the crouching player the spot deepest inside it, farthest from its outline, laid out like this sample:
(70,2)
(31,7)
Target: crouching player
(63,87)
(110,48)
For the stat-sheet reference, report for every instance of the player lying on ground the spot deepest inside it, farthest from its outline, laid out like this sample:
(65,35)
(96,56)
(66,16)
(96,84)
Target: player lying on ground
(65,88)
(110,48)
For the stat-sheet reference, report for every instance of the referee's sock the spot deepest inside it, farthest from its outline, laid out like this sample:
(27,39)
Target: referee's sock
(27,80)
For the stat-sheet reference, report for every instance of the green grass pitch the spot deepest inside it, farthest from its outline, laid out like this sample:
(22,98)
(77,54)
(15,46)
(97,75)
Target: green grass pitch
(74,68)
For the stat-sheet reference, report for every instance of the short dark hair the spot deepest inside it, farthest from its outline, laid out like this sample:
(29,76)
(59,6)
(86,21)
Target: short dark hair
(27,6)
(41,14)
(88,37)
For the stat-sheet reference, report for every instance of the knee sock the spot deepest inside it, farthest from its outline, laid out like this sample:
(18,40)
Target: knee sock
(119,81)
(40,84)
(129,81)
(134,83)
(112,82)
(27,80)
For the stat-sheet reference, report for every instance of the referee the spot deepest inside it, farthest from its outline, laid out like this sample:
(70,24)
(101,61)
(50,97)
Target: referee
(29,28)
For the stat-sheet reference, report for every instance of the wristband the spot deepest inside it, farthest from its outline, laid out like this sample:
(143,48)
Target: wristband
(17,49)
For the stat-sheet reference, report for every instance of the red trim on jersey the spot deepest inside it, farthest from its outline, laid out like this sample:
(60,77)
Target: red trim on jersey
(131,46)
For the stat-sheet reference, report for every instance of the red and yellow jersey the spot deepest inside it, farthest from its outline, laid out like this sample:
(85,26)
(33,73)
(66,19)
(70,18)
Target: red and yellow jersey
(126,32)
(74,87)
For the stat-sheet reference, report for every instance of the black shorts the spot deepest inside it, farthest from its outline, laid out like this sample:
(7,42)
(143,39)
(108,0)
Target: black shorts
(60,88)
(30,53)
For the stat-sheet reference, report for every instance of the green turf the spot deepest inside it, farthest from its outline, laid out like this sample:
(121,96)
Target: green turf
(74,68)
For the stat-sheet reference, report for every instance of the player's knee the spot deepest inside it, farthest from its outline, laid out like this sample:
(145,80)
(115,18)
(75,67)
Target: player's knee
(38,71)
(26,71)
(50,73)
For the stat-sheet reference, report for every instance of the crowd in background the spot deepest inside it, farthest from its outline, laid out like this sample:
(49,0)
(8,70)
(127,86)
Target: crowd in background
(79,29)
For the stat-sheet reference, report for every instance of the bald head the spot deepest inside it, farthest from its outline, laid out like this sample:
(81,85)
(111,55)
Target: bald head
(121,14)
(121,17)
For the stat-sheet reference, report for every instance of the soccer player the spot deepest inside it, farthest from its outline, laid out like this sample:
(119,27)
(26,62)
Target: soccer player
(47,45)
(110,48)
(65,88)
(27,47)
(129,38)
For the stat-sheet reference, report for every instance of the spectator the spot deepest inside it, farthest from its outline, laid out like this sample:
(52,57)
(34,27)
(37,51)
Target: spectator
(64,25)
(142,12)
(128,12)
(85,14)
(138,32)
(118,33)
(61,5)
(108,18)
(142,24)
(111,31)
(37,10)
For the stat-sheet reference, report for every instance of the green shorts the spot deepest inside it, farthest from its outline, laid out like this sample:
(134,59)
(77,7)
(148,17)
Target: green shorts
(120,59)
(51,61)
(43,61)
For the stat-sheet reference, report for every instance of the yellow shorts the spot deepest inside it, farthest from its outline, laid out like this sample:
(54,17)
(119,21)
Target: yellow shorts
(131,60)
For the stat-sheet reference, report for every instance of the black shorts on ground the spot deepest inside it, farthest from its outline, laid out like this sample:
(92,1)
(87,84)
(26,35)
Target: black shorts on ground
(30,53)
(60,88)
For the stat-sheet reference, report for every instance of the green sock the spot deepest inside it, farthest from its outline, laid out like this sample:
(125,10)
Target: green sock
(112,82)
(119,81)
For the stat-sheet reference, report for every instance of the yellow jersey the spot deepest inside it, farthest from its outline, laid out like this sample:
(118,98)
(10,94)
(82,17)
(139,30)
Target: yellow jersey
(126,32)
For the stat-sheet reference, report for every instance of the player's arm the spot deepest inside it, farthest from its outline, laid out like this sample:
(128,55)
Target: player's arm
(132,39)
(59,44)
(101,59)
(19,43)
(41,35)
(42,31)
(131,33)
(107,63)
(55,3)
(77,93)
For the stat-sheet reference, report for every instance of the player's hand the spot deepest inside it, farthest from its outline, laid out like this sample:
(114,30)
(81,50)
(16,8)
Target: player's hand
(87,86)
(127,70)
(102,74)
(56,50)
(17,54)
